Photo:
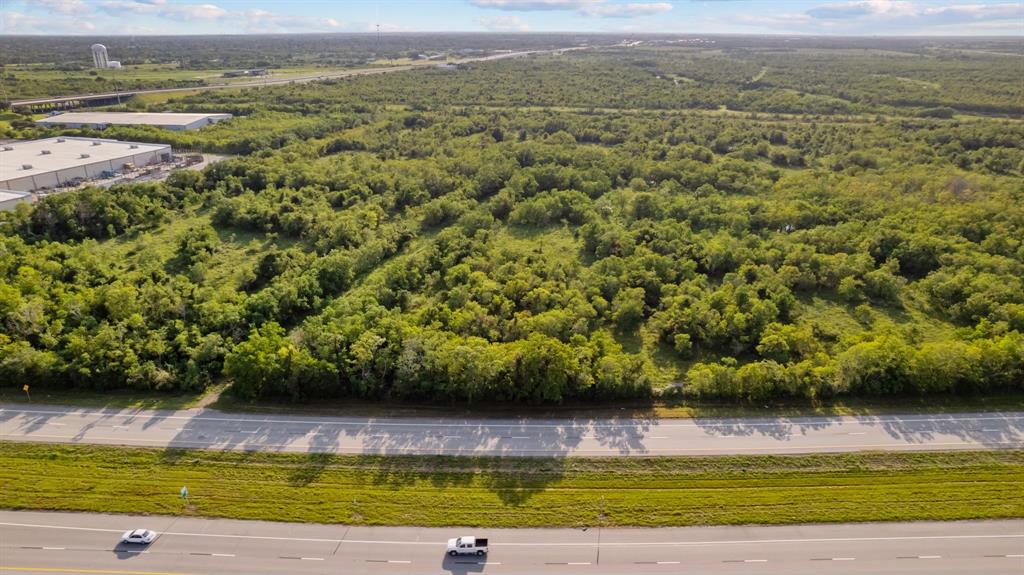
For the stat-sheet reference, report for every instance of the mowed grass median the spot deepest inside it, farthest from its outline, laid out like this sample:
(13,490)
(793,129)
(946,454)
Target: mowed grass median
(516,492)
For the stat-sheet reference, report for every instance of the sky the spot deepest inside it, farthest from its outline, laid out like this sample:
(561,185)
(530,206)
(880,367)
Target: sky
(804,17)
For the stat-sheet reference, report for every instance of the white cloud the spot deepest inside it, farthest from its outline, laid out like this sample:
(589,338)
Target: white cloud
(256,20)
(116,7)
(902,11)
(64,6)
(530,5)
(18,23)
(862,8)
(889,17)
(504,24)
(193,12)
(116,15)
(12,21)
(631,10)
(162,9)
(264,22)
(778,21)
(598,8)
(976,13)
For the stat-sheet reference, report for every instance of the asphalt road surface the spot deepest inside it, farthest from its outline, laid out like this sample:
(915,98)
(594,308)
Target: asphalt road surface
(212,429)
(42,542)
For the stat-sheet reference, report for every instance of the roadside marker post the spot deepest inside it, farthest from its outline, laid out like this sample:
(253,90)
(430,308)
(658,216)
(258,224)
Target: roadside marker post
(25,389)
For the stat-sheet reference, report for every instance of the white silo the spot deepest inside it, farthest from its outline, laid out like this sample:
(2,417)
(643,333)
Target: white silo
(99,56)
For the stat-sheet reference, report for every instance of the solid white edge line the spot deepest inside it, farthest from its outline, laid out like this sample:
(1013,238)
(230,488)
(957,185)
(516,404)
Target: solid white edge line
(593,544)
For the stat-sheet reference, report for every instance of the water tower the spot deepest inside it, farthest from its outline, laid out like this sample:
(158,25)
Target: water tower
(99,56)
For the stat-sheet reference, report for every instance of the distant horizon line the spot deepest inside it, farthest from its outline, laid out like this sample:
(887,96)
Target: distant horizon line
(546,33)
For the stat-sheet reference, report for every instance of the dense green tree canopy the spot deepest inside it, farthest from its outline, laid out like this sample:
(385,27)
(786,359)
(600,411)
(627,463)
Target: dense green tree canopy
(510,232)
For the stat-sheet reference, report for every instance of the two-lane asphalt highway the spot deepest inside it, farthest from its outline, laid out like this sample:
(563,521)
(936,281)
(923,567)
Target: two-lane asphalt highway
(211,429)
(40,542)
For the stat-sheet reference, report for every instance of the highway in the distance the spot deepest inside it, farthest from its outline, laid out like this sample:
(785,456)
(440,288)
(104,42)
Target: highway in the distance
(42,543)
(210,429)
(278,81)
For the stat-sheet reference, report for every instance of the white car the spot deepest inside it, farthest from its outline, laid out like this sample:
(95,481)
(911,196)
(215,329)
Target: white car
(141,536)
(467,545)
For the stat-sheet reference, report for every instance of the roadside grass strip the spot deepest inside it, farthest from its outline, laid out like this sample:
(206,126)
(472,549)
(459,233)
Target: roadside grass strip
(516,492)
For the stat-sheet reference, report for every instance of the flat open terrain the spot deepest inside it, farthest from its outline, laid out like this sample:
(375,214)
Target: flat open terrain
(515,492)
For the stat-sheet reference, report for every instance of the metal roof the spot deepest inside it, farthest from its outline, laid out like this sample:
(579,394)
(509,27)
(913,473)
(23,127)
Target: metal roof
(8,195)
(130,118)
(65,152)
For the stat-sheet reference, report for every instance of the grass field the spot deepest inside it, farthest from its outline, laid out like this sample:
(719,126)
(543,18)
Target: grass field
(108,399)
(516,492)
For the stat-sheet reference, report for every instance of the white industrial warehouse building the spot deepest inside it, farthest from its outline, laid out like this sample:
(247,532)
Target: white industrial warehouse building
(100,120)
(36,164)
(9,199)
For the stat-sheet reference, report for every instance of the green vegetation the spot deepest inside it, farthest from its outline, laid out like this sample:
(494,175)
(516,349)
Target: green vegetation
(234,52)
(569,228)
(668,407)
(52,66)
(809,81)
(124,399)
(35,81)
(517,492)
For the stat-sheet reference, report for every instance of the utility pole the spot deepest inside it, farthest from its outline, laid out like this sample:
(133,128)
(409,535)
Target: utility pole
(117,87)
(3,92)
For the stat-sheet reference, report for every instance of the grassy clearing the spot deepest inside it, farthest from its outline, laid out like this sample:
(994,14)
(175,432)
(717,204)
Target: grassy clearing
(516,492)
(106,399)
